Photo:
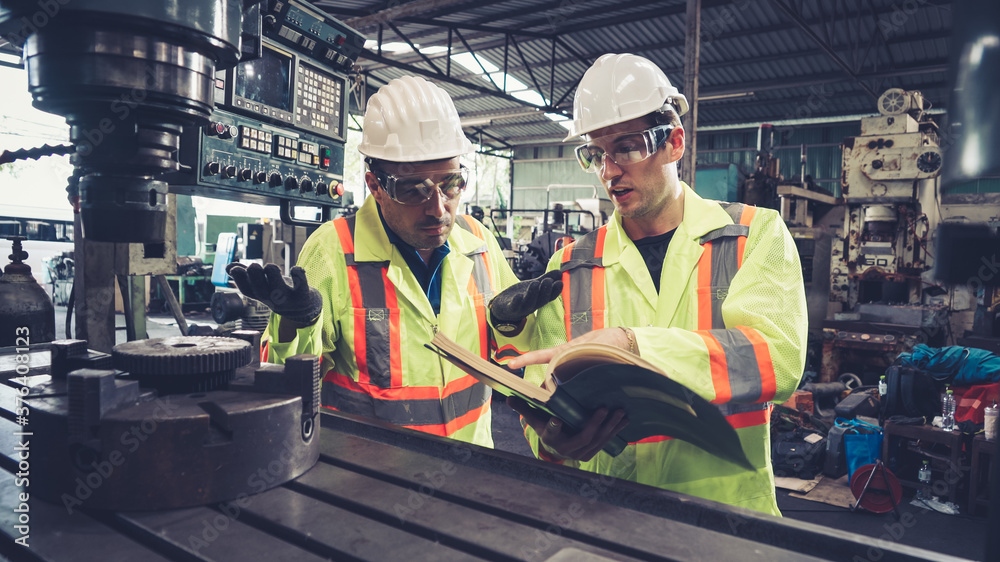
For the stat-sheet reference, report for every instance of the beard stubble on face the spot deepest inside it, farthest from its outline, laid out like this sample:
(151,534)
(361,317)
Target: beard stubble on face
(411,227)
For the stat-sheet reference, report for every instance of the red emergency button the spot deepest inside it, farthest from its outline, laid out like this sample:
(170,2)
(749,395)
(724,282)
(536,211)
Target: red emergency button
(216,128)
(339,189)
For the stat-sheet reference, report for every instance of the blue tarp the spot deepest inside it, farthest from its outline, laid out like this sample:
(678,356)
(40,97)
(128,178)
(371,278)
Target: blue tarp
(968,365)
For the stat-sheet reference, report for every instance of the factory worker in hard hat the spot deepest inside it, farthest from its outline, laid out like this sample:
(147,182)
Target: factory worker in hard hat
(371,289)
(709,291)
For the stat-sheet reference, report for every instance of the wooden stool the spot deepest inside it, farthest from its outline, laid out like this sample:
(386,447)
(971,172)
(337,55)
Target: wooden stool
(927,435)
(983,454)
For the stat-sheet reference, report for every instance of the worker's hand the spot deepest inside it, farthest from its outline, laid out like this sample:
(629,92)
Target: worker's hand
(509,309)
(299,302)
(612,336)
(582,445)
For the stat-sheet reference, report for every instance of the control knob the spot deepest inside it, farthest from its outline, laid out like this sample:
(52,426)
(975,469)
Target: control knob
(229,171)
(306,186)
(274,179)
(291,183)
(260,177)
(321,188)
(245,174)
(212,168)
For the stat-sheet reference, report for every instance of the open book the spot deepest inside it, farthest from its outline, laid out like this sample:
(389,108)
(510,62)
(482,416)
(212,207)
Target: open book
(586,377)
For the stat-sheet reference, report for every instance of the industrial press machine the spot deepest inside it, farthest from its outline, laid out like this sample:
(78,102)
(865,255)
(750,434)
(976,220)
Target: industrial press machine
(880,294)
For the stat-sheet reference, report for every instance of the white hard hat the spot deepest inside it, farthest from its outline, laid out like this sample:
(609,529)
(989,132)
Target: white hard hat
(411,120)
(617,88)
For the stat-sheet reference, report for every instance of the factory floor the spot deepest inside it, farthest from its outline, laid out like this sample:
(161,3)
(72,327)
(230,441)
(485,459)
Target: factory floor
(955,535)
(961,535)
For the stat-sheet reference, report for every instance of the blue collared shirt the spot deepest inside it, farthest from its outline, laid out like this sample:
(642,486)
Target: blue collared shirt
(428,274)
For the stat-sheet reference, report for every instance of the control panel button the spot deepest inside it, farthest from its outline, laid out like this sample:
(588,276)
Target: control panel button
(339,189)
(213,129)
(324,158)
(229,171)
(212,168)
(245,174)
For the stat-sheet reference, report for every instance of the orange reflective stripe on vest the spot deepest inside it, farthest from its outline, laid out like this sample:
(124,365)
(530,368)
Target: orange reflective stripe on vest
(740,363)
(739,358)
(583,284)
(742,415)
(376,315)
(379,390)
(721,258)
(430,409)
(481,285)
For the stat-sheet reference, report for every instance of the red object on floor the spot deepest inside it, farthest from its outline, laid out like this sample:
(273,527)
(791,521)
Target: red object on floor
(884,491)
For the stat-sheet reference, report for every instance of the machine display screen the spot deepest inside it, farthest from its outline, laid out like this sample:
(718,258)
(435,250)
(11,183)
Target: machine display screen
(266,80)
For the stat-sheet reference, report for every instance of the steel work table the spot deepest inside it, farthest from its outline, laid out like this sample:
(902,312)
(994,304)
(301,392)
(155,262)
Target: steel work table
(381,493)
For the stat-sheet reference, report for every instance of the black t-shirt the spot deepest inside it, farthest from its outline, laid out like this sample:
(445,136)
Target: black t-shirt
(653,249)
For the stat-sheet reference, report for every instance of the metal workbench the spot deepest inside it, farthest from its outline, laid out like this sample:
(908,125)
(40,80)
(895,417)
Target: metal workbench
(383,493)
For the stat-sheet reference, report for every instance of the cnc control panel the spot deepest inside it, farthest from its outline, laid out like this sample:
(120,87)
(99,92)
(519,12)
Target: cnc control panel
(279,126)
(251,160)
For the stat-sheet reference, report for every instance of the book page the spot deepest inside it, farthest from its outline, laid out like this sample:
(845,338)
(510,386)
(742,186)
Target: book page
(489,374)
(574,359)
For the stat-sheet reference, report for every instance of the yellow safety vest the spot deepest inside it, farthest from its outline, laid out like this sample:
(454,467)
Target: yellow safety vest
(729,322)
(376,320)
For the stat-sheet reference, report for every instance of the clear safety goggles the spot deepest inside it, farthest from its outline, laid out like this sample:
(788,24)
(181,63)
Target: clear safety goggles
(417,188)
(622,148)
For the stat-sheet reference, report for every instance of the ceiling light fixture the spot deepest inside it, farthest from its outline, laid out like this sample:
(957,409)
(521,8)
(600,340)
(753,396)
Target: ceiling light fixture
(734,95)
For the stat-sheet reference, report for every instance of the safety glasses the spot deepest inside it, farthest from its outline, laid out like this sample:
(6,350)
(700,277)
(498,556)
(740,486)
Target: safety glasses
(622,148)
(417,188)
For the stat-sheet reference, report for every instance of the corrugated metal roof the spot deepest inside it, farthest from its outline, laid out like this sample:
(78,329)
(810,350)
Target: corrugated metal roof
(803,59)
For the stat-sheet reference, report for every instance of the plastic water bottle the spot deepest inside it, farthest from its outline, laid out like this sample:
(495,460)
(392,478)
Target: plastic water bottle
(948,411)
(990,415)
(883,387)
(924,476)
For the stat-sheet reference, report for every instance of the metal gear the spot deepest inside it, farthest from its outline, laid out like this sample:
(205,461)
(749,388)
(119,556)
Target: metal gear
(182,364)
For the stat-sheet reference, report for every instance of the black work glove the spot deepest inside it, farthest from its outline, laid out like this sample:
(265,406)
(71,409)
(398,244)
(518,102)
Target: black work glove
(509,309)
(299,303)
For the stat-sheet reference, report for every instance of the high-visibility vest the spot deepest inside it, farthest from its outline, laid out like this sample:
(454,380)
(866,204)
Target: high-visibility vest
(585,310)
(378,391)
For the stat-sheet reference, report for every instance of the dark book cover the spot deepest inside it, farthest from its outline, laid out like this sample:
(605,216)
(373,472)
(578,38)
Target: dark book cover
(593,376)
